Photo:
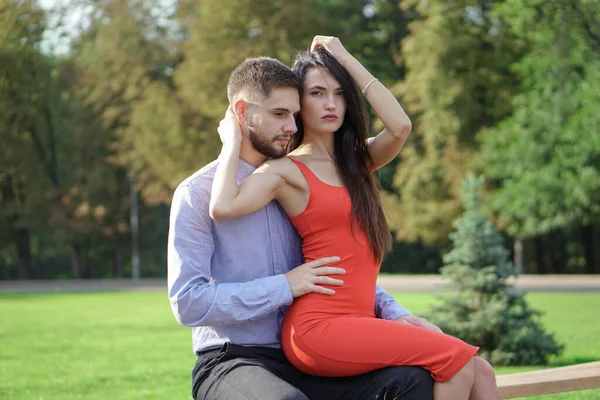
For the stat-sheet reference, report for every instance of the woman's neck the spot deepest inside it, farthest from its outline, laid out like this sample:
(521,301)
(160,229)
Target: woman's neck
(319,145)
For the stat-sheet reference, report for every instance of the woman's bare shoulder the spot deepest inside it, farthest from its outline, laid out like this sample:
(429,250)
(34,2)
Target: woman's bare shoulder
(276,165)
(284,167)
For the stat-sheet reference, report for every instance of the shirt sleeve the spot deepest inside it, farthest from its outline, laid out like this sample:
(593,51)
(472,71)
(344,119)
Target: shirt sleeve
(386,306)
(197,301)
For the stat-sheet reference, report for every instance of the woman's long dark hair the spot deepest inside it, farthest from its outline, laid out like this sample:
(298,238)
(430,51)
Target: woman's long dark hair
(352,159)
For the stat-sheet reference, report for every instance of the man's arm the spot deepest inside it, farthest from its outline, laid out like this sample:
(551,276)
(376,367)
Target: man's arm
(190,248)
(386,306)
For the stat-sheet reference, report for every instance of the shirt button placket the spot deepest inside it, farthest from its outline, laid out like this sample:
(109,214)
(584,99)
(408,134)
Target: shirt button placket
(277,269)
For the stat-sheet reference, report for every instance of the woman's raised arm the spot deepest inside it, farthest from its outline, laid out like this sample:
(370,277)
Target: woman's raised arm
(256,191)
(387,144)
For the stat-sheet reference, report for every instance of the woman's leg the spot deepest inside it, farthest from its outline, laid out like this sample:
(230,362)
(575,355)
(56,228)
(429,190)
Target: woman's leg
(353,345)
(475,381)
(484,386)
(459,386)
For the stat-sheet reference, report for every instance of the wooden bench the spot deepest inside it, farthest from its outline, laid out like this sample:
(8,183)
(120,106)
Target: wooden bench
(553,380)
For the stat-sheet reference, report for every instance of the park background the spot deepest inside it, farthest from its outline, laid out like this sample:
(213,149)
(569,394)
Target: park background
(106,105)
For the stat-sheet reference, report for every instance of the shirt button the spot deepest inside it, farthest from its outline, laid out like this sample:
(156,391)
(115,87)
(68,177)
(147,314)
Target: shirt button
(277,270)
(273,236)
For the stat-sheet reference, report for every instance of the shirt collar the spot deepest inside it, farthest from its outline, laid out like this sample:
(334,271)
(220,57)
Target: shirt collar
(245,169)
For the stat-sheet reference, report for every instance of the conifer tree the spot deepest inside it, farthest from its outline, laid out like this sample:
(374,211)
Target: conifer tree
(481,307)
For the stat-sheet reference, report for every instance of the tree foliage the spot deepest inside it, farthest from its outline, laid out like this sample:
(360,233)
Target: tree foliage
(480,307)
(136,96)
(458,84)
(546,156)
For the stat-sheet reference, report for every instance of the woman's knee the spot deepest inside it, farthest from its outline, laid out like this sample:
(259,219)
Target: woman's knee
(466,375)
(483,369)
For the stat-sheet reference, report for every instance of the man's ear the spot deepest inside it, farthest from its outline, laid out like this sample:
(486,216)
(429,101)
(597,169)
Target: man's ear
(239,109)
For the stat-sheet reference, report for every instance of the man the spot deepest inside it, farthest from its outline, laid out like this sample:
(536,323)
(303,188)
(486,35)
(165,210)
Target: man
(232,280)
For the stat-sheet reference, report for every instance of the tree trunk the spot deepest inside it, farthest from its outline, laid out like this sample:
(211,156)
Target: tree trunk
(587,240)
(596,259)
(119,273)
(549,254)
(135,237)
(11,194)
(76,262)
(518,257)
(87,269)
(539,255)
(23,243)
(559,251)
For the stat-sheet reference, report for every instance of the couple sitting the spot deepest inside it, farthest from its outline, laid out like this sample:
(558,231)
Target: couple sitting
(282,295)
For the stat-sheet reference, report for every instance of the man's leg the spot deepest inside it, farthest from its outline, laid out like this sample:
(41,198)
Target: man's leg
(391,383)
(240,379)
(234,373)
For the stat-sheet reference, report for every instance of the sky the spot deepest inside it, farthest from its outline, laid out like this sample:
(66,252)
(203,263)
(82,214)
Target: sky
(70,17)
(74,16)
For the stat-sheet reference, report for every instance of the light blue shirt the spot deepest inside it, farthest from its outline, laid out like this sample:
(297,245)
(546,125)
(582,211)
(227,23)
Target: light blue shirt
(226,278)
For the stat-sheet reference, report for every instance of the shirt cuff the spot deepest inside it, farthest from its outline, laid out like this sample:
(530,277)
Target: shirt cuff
(279,289)
(394,311)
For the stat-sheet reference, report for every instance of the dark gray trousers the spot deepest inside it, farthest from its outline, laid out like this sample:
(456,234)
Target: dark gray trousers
(262,373)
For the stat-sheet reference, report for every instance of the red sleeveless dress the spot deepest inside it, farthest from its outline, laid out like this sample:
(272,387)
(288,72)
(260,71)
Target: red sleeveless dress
(340,335)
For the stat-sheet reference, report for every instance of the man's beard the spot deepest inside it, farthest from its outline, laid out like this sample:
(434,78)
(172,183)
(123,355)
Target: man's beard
(264,146)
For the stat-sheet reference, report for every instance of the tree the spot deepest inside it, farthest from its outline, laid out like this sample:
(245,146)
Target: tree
(481,308)
(458,84)
(28,141)
(57,189)
(545,158)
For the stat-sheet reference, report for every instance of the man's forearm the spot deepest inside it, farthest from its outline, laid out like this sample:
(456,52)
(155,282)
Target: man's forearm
(386,306)
(200,303)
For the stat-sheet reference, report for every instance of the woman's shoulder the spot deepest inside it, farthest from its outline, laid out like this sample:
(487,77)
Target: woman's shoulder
(281,166)
(284,167)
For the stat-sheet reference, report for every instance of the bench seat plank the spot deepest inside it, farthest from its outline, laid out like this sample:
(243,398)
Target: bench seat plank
(553,380)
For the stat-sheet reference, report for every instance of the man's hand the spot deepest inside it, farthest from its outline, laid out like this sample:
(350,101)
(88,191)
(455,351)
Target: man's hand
(416,321)
(229,129)
(306,278)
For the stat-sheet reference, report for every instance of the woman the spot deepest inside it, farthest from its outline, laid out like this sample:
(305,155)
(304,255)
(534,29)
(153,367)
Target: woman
(327,187)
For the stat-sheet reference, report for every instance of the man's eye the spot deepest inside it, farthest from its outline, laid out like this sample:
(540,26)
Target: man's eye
(278,114)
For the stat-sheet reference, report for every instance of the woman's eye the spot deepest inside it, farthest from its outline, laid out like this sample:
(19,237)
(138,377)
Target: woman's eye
(315,93)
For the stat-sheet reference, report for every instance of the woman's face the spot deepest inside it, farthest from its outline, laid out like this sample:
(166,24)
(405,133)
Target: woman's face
(323,105)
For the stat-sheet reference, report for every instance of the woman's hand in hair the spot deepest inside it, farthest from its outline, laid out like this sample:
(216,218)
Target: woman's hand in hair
(229,129)
(333,45)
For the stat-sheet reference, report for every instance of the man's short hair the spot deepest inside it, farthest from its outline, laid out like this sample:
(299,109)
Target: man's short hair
(255,78)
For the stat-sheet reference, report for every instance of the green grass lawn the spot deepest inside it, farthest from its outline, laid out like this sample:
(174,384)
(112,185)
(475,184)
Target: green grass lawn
(128,346)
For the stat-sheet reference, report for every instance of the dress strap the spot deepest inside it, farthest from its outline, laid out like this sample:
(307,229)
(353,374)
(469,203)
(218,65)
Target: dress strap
(311,178)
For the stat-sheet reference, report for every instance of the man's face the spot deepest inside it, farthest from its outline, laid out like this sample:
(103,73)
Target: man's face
(272,123)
